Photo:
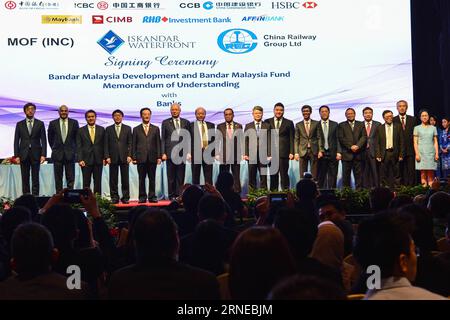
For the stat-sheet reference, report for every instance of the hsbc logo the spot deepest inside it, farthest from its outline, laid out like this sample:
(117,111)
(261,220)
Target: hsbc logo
(310,5)
(99,19)
(286,5)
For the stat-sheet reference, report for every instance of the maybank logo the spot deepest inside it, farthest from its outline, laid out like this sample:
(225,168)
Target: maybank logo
(237,41)
(57,19)
(110,42)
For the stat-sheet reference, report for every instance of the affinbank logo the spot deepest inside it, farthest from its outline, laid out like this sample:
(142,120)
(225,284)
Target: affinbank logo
(237,41)
(110,42)
(59,19)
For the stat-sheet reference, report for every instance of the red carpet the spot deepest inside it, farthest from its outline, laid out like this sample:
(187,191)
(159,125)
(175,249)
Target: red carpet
(162,203)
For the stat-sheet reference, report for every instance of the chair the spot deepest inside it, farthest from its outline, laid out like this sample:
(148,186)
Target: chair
(358,296)
(443,245)
(224,286)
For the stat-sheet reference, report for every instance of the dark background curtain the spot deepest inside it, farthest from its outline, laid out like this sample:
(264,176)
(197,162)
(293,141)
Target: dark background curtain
(431,55)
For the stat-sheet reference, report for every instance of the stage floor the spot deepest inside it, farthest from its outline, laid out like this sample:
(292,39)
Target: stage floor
(132,204)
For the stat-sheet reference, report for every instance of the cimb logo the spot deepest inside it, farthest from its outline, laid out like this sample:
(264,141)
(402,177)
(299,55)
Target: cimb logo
(99,19)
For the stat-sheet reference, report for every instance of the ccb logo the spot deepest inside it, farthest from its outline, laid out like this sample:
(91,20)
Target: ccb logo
(237,41)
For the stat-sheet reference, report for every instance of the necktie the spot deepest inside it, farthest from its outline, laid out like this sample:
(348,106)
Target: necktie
(368,128)
(30,126)
(204,137)
(177,124)
(307,127)
(64,131)
(146,129)
(352,125)
(389,140)
(230,131)
(278,124)
(92,134)
(403,123)
(257,128)
(325,133)
(118,131)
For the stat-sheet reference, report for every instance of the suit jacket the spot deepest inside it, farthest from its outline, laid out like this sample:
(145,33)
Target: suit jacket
(26,145)
(91,153)
(63,150)
(146,148)
(118,149)
(347,139)
(263,140)
(372,138)
(334,146)
(397,139)
(167,129)
(285,143)
(163,280)
(236,143)
(314,138)
(408,134)
(196,139)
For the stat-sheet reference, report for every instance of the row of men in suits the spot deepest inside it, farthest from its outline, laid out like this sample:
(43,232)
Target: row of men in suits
(367,148)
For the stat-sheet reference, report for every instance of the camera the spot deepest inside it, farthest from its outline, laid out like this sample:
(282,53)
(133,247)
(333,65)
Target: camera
(277,199)
(73,196)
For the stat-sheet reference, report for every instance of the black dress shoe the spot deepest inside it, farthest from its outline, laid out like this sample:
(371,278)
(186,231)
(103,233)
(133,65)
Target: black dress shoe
(125,201)
(114,201)
(152,200)
(142,201)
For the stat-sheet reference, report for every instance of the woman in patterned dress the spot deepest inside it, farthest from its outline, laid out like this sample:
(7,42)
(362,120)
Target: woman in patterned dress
(444,142)
(426,149)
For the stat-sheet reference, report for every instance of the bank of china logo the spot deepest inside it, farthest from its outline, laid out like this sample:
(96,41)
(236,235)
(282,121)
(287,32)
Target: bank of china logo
(110,42)
(237,41)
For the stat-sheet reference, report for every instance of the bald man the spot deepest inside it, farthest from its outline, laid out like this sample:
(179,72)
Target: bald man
(62,137)
(202,140)
(170,137)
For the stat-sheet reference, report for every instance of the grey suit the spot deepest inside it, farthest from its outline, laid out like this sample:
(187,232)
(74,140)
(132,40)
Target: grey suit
(30,148)
(370,169)
(328,165)
(308,145)
(254,152)
(231,151)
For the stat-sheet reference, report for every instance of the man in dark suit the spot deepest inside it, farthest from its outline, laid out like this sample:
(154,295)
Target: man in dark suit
(30,148)
(257,148)
(389,150)
(407,123)
(328,164)
(118,141)
(157,275)
(353,138)
(370,165)
(308,143)
(146,154)
(62,137)
(231,147)
(284,146)
(171,136)
(91,151)
(202,147)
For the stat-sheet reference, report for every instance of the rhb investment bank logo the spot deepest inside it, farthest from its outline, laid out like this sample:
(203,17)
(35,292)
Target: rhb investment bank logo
(110,42)
(237,41)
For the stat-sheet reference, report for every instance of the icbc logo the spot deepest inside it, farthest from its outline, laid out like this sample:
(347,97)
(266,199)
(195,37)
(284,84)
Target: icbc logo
(99,19)
(10,5)
(102,5)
